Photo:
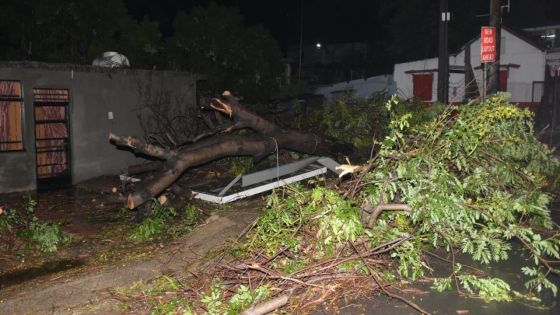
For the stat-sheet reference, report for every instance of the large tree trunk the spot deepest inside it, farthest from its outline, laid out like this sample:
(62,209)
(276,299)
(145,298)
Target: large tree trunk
(211,146)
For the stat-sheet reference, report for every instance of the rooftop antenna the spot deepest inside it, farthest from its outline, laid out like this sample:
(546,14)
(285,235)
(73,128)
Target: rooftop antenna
(506,6)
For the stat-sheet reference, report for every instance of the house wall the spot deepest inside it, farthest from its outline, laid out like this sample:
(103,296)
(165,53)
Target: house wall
(403,80)
(514,51)
(404,84)
(531,60)
(93,93)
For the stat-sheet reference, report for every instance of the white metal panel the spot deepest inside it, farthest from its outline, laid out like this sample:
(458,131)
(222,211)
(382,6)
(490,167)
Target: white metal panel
(235,180)
(274,172)
(259,189)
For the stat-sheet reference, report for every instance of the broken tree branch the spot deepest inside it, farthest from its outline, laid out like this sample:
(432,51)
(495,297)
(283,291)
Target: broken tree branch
(140,146)
(267,307)
(380,208)
(143,168)
(233,146)
(209,146)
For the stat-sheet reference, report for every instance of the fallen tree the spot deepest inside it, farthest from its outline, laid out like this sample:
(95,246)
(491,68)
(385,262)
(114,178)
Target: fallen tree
(472,184)
(219,142)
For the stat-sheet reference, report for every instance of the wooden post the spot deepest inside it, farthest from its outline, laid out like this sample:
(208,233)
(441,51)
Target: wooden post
(493,74)
(443,61)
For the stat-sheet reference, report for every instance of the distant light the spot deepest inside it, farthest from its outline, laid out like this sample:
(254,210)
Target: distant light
(318,45)
(548,36)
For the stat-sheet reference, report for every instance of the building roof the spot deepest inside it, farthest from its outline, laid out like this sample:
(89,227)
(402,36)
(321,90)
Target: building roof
(519,34)
(83,68)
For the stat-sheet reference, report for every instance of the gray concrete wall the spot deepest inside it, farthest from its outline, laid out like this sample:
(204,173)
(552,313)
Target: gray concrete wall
(93,93)
(359,88)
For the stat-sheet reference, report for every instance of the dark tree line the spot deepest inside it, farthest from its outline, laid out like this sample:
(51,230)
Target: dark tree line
(74,31)
(215,40)
(211,40)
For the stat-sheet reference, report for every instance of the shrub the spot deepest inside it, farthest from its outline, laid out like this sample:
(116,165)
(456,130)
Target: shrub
(160,224)
(356,121)
(45,236)
(148,230)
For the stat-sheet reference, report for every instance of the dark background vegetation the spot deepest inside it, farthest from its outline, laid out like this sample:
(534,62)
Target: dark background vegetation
(238,43)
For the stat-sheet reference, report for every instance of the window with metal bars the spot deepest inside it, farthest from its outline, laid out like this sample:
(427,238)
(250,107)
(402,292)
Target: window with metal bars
(11,107)
(51,132)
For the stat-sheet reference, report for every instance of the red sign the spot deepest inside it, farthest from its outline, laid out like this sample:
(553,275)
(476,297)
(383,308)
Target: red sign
(487,44)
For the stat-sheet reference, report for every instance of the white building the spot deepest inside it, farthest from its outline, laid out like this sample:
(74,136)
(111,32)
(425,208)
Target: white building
(522,71)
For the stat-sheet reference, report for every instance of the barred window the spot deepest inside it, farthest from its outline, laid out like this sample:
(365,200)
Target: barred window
(11,103)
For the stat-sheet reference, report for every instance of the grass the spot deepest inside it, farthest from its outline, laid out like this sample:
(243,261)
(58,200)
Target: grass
(165,223)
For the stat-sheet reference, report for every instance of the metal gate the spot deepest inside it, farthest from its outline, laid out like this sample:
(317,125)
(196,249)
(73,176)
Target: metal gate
(52,144)
(547,121)
(537,93)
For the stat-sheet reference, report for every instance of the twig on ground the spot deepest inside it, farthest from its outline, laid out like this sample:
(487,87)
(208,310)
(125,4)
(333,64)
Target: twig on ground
(385,291)
(267,307)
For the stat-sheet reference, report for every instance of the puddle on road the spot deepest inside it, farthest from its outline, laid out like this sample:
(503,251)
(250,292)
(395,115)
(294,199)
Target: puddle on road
(49,267)
(451,302)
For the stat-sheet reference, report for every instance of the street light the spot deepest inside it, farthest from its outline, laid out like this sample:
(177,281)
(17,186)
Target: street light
(318,45)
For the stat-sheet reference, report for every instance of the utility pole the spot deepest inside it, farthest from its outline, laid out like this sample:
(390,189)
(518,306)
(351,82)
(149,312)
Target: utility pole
(300,38)
(494,68)
(443,61)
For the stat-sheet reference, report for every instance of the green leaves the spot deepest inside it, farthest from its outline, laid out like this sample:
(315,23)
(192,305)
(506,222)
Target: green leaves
(340,224)
(486,245)
(148,229)
(244,297)
(161,223)
(475,178)
(44,236)
(489,289)
(47,236)
(410,262)
(539,282)
(486,288)
(337,220)
(356,121)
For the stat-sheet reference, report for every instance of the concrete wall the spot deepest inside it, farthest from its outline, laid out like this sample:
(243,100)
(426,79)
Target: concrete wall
(530,59)
(360,88)
(93,93)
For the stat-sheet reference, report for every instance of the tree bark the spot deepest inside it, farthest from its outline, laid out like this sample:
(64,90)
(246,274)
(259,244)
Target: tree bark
(267,307)
(143,168)
(268,138)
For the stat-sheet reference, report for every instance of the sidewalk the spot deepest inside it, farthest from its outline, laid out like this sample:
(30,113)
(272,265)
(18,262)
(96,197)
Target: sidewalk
(60,297)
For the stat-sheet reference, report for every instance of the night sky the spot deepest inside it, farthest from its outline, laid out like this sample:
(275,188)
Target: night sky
(354,20)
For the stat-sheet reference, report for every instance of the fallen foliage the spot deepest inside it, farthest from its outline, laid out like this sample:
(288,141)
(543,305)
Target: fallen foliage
(472,180)
(354,120)
(160,224)
(21,229)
